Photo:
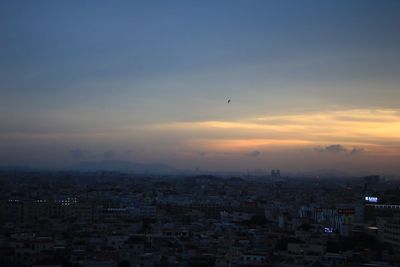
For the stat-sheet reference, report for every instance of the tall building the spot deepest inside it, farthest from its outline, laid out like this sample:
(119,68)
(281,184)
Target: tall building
(389,231)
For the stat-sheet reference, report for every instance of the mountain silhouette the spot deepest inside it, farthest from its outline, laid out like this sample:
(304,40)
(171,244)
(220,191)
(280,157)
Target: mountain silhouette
(123,166)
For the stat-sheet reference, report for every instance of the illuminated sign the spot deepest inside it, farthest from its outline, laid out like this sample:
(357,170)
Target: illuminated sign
(371,199)
(328,230)
(346,211)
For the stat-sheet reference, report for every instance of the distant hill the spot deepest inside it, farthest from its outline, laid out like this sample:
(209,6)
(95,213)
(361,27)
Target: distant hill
(123,166)
(323,173)
(17,168)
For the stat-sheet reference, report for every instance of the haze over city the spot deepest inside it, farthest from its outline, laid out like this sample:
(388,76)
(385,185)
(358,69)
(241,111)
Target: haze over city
(225,133)
(313,84)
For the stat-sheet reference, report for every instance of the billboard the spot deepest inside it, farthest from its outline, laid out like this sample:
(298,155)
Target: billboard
(370,199)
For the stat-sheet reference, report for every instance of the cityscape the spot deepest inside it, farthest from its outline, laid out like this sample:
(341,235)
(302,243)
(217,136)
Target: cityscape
(212,133)
(119,219)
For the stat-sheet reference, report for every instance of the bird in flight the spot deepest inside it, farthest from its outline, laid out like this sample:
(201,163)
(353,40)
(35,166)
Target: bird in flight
(229,101)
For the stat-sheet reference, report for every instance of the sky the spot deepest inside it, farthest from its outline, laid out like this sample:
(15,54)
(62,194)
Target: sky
(313,84)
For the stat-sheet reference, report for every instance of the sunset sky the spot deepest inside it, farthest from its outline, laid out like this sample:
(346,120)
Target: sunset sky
(313,84)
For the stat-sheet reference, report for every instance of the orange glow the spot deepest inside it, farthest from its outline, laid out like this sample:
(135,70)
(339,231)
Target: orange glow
(246,144)
(371,129)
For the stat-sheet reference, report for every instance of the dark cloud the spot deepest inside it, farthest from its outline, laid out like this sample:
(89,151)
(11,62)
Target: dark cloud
(357,150)
(109,154)
(202,154)
(337,148)
(254,153)
(78,153)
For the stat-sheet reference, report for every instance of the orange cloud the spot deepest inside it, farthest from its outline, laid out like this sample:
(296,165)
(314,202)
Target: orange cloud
(377,130)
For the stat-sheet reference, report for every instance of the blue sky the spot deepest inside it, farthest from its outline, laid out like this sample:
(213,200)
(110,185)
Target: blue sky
(102,76)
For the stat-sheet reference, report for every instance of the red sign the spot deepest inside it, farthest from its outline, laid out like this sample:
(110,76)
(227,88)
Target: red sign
(346,211)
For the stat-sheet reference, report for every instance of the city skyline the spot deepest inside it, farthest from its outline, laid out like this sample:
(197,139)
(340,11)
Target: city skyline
(313,85)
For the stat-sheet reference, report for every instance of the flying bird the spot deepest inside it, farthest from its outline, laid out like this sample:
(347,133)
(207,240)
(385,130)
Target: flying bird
(229,101)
